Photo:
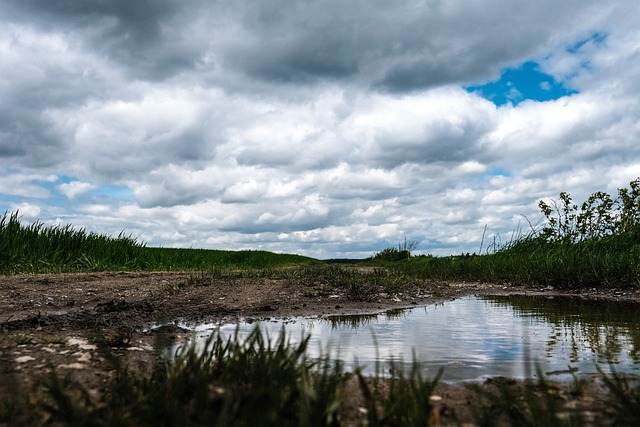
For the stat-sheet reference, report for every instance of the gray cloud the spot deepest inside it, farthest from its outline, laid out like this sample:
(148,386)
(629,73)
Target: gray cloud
(328,128)
(142,35)
(399,46)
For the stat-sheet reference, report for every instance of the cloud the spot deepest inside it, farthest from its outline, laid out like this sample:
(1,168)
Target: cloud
(75,188)
(142,34)
(29,185)
(324,128)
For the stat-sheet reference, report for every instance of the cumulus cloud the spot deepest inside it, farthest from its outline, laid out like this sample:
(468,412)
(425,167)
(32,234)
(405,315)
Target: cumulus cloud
(323,128)
(75,188)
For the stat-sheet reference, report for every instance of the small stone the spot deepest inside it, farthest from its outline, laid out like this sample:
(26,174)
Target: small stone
(72,366)
(25,359)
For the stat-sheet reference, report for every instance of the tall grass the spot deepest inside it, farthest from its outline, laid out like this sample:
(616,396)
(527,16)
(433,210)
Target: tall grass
(595,244)
(612,261)
(37,248)
(263,382)
(252,382)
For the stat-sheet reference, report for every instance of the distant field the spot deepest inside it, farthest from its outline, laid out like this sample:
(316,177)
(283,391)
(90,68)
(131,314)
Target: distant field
(36,248)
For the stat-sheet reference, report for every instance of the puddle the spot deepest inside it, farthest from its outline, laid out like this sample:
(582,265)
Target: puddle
(475,337)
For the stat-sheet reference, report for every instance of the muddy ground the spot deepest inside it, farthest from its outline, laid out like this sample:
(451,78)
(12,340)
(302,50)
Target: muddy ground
(53,321)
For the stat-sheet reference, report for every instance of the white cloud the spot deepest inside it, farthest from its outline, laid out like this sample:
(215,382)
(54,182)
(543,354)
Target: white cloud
(75,188)
(328,129)
(25,185)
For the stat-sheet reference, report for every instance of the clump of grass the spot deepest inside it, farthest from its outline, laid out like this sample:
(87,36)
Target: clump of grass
(402,400)
(36,248)
(248,382)
(255,381)
(358,284)
(259,381)
(322,279)
(21,338)
(625,398)
(401,252)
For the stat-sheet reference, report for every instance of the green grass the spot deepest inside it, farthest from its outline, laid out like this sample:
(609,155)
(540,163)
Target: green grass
(257,381)
(596,244)
(36,248)
(611,261)
(323,279)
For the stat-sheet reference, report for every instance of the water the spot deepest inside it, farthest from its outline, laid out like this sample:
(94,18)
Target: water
(475,337)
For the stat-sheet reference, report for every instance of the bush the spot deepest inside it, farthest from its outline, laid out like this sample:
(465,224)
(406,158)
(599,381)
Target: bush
(392,254)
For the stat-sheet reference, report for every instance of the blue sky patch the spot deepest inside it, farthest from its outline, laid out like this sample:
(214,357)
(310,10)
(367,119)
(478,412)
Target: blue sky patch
(522,83)
(102,192)
(596,38)
(118,192)
(498,171)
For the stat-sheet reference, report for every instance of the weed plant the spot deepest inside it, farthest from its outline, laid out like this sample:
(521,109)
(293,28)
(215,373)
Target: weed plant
(322,279)
(250,382)
(538,404)
(625,401)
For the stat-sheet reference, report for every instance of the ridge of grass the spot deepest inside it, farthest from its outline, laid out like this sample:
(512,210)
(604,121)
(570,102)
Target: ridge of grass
(37,248)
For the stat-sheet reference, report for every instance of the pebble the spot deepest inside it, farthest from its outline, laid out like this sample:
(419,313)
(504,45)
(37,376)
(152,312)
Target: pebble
(25,359)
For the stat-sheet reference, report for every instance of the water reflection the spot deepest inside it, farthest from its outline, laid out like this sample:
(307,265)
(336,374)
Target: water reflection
(477,337)
(607,328)
(362,320)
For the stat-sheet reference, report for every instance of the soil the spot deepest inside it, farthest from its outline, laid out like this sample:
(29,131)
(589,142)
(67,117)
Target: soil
(51,321)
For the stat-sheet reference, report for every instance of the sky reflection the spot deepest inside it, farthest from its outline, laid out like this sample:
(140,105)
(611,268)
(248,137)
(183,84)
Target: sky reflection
(475,337)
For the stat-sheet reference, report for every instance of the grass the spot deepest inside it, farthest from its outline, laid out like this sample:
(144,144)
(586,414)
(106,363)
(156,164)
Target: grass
(36,248)
(268,381)
(405,400)
(613,261)
(625,403)
(323,279)
(257,381)
(596,244)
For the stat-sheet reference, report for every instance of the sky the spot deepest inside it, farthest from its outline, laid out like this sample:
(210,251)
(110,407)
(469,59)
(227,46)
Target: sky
(324,128)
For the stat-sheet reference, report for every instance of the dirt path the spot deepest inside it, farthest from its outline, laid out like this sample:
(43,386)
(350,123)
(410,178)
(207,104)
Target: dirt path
(53,320)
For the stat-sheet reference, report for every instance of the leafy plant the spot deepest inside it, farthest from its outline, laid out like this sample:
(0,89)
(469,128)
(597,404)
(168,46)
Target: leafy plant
(245,382)
(598,217)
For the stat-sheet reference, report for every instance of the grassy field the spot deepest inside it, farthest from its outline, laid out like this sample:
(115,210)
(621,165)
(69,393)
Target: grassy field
(611,261)
(36,248)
